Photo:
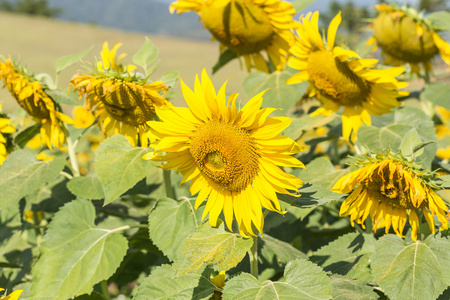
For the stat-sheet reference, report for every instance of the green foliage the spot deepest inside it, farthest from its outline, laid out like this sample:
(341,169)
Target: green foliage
(437,93)
(351,289)
(146,55)
(440,19)
(62,98)
(89,188)
(411,270)
(170,78)
(64,62)
(23,137)
(322,172)
(76,254)
(302,280)
(120,166)
(225,57)
(211,246)
(21,175)
(302,4)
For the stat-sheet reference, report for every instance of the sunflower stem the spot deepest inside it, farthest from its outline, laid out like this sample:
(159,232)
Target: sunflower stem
(168,184)
(253,254)
(73,157)
(105,291)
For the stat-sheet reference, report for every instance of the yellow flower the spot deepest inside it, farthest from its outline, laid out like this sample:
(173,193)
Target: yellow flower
(443,132)
(122,102)
(390,191)
(247,27)
(82,117)
(31,96)
(232,157)
(5,127)
(404,36)
(13,296)
(340,78)
(219,279)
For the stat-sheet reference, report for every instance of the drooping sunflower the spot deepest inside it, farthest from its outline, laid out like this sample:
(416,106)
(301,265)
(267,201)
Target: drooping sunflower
(6,127)
(121,99)
(340,78)
(405,36)
(247,27)
(392,191)
(232,157)
(32,97)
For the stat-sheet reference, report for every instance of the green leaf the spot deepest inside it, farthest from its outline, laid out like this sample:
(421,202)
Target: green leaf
(437,93)
(224,58)
(302,4)
(278,94)
(409,143)
(171,221)
(305,123)
(69,60)
(120,166)
(89,188)
(347,255)
(302,280)
(411,271)
(211,246)
(146,55)
(21,175)
(164,284)
(170,78)
(75,254)
(311,196)
(440,20)
(350,289)
(321,172)
(63,98)
(283,251)
(23,137)
(46,80)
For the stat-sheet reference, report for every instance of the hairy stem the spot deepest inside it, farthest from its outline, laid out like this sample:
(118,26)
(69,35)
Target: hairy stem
(168,184)
(253,254)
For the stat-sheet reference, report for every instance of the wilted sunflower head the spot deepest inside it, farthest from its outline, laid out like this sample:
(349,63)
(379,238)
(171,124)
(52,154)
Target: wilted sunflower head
(405,36)
(121,99)
(32,97)
(388,188)
(232,157)
(247,27)
(340,78)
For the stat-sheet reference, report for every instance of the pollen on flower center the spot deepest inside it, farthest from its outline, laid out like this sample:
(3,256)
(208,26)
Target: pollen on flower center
(226,154)
(334,79)
(244,27)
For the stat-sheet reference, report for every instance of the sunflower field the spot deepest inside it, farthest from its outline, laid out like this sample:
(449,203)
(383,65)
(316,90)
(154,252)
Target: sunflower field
(330,181)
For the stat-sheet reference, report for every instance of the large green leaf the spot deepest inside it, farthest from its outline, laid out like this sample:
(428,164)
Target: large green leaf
(120,166)
(86,187)
(283,251)
(347,255)
(211,246)
(311,195)
(21,175)
(279,94)
(302,280)
(305,123)
(69,60)
(437,93)
(164,284)
(440,20)
(322,172)
(350,289)
(171,221)
(412,271)
(75,254)
(146,55)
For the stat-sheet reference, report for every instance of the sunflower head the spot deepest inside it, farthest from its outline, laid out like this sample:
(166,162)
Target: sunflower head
(247,27)
(405,36)
(340,78)
(31,95)
(6,128)
(391,190)
(232,157)
(121,99)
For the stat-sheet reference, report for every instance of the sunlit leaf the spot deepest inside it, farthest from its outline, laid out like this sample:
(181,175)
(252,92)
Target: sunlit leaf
(120,166)
(351,289)
(63,98)
(69,60)
(322,172)
(170,78)
(86,187)
(211,246)
(75,254)
(300,5)
(437,93)
(409,143)
(23,137)
(146,55)
(302,280)
(411,270)
(311,195)
(440,20)
(164,284)
(304,123)
(171,221)
(21,175)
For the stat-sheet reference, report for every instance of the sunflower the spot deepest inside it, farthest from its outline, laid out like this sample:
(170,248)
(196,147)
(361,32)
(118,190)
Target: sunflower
(122,100)
(443,133)
(405,36)
(339,77)
(6,127)
(247,27)
(12,296)
(391,190)
(232,157)
(32,97)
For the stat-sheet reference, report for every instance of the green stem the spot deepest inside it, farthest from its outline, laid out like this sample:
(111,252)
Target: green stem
(168,184)
(253,254)
(105,292)
(73,156)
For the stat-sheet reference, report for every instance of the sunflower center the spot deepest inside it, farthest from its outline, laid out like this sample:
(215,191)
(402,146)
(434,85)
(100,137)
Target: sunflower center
(126,102)
(39,111)
(398,37)
(241,25)
(334,80)
(226,154)
(390,185)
